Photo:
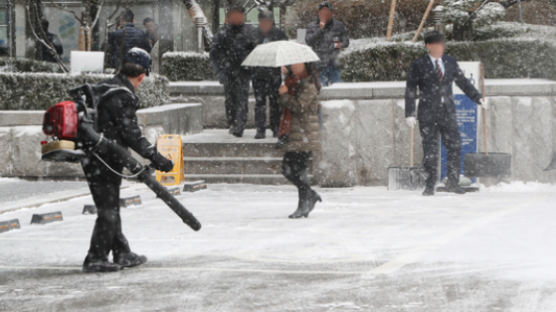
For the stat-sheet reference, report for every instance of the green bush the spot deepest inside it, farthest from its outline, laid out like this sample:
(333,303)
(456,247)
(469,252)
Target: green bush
(23,65)
(186,66)
(38,91)
(502,59)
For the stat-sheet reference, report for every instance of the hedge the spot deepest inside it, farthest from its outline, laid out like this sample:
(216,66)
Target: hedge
(38,91)
(380,61)
(23,65)
(186,66)
(502,58)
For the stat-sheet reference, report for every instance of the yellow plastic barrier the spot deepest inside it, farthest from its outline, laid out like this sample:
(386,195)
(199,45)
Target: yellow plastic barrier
(171,147)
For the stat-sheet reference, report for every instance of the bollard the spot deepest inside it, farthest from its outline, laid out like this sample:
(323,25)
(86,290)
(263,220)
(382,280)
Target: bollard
(45,218)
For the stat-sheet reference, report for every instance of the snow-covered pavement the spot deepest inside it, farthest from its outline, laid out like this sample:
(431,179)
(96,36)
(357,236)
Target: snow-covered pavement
(363,249)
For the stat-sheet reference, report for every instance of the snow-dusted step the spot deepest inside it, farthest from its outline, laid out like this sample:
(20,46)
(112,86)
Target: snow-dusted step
(233,165)
(218,157)
(223,149)
(268,179)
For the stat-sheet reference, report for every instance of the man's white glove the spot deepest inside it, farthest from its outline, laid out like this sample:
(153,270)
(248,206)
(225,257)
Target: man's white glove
(411,122)
(485,104)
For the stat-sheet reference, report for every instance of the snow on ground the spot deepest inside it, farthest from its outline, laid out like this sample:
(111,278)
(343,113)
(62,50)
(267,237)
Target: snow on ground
(363,249)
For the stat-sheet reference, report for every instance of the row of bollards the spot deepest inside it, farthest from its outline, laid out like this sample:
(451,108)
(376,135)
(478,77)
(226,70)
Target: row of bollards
(45,218)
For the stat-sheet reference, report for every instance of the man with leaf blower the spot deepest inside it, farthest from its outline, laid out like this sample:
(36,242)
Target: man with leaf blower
(117,121)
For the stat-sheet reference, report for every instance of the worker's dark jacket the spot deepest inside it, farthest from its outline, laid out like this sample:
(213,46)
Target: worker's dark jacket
(117,121)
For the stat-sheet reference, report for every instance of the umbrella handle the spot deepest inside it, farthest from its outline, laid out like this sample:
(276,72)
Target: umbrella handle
(483,110)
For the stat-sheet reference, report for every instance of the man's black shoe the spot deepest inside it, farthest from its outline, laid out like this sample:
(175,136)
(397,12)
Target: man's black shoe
(261,134)
(100,266)
(238,134)
(429,191)
(130,260)
(455,189)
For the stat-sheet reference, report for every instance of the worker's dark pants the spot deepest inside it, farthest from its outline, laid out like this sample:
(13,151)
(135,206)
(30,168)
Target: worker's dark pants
(267,87)
(107,233)
(294,168)
(236,89)
(431,132)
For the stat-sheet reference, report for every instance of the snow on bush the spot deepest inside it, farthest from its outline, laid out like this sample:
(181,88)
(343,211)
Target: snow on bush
(38,91)
(466,15)
(186,66)
(23,65)
(369,60)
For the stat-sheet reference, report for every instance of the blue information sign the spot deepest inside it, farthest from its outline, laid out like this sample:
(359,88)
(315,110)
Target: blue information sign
(467,114)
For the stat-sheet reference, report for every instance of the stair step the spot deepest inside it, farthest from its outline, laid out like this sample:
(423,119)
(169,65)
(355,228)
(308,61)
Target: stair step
(233,165)
(269,179)
(231,150)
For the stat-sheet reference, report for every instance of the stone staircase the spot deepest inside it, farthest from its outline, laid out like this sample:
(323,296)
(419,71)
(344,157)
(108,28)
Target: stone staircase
(217,157)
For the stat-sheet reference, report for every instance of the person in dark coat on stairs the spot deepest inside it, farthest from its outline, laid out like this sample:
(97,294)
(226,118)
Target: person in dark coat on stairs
(299,95)
(230,46)
(266,81)
(433,75)
(117,121)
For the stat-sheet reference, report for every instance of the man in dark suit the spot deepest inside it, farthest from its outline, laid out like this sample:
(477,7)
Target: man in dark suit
(266,80)
(433,75)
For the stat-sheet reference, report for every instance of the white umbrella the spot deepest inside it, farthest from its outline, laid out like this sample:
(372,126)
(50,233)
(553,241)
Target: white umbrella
(280,53)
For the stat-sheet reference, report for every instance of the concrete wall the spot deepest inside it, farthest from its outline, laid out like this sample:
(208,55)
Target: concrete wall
(364,131)
(21,134)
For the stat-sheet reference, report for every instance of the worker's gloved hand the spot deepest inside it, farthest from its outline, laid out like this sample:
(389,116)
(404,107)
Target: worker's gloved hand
(411,121)
(162,163)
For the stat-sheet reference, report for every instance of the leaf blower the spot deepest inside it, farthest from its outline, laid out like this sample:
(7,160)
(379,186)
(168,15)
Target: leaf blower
(72,127)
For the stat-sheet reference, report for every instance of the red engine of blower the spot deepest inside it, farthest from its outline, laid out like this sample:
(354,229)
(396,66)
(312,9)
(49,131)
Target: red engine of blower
(61,121)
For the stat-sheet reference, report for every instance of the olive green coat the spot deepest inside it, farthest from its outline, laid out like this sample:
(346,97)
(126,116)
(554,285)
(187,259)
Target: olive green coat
(304,134)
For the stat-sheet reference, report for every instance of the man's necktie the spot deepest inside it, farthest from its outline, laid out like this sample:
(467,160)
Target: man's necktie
(439,71)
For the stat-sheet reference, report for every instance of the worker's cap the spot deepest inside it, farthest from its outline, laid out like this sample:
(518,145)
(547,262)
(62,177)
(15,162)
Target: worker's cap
(266,14)
(236,8)
(434,37)
(139,57)
(326,4)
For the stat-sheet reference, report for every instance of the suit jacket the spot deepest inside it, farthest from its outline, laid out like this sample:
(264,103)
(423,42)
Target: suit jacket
(436,100)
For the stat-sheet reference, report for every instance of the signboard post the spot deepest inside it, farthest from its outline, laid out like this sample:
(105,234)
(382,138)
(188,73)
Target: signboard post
(467,115)
(171,147)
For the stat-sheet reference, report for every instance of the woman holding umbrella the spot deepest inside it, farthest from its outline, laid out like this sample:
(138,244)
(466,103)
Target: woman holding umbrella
(300,122)
(299,95)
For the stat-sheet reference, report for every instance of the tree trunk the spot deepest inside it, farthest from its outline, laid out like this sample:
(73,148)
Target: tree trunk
(215,15)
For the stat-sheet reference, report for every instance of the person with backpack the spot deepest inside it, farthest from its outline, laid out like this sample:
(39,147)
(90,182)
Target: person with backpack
(117,121)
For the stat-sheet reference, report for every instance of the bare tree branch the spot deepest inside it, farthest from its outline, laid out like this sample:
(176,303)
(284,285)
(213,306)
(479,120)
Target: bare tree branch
(42,40)
(99,9)
(63,8)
